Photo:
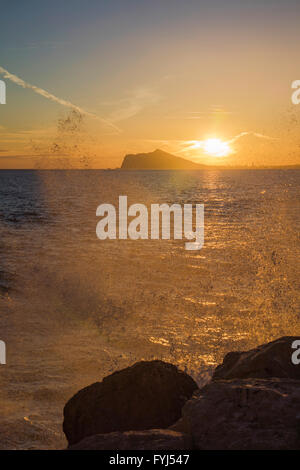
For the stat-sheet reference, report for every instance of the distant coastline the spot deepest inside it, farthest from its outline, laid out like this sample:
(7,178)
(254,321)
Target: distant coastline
(160,160)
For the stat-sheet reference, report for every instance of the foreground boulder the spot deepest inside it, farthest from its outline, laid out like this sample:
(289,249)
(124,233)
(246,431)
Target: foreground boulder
(269,360)
(154,439)
(147,395)
(244,414)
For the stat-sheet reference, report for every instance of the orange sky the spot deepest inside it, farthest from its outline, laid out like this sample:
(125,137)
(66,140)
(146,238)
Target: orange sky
(135,76)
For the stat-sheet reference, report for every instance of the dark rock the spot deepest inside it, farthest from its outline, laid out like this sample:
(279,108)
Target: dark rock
(5,281)
(269,360)
(154,439)
(147,395)
(244,414)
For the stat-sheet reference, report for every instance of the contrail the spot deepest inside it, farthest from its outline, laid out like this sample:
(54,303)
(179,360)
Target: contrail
(18,81)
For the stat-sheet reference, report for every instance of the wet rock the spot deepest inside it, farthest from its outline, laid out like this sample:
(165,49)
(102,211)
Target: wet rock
(147,395)
(5,282)
(244,414)
(269,360)
(4,290)
(154,439)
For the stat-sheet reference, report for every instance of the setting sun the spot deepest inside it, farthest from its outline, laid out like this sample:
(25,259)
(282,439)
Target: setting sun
(212,147)
(216,147)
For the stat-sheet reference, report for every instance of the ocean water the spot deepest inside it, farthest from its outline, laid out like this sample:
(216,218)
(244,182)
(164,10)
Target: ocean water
(74,309)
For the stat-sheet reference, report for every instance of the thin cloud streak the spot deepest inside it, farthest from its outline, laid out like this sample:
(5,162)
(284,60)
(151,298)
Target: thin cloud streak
(133,104)
(40,91)
(256,134)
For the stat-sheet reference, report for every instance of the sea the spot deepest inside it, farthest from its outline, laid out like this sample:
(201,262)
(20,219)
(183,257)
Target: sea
(74,308)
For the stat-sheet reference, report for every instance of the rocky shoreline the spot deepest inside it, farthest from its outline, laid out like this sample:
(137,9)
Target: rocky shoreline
(252,402)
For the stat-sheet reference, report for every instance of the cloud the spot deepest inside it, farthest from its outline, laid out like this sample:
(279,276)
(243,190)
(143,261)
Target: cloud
(255,134)
(40,91)
(37,45)
(192,144)
(133,104)
(8,136)
(214,110)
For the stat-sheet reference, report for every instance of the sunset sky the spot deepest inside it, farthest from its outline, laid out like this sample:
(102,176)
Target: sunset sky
(153,74)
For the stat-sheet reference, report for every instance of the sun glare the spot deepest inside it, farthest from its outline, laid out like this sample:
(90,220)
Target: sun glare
(216,148)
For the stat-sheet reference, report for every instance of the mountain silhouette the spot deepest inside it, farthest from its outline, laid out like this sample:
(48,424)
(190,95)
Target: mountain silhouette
(158,160)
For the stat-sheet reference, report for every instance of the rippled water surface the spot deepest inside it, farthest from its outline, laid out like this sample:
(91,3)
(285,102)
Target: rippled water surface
(74,308)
